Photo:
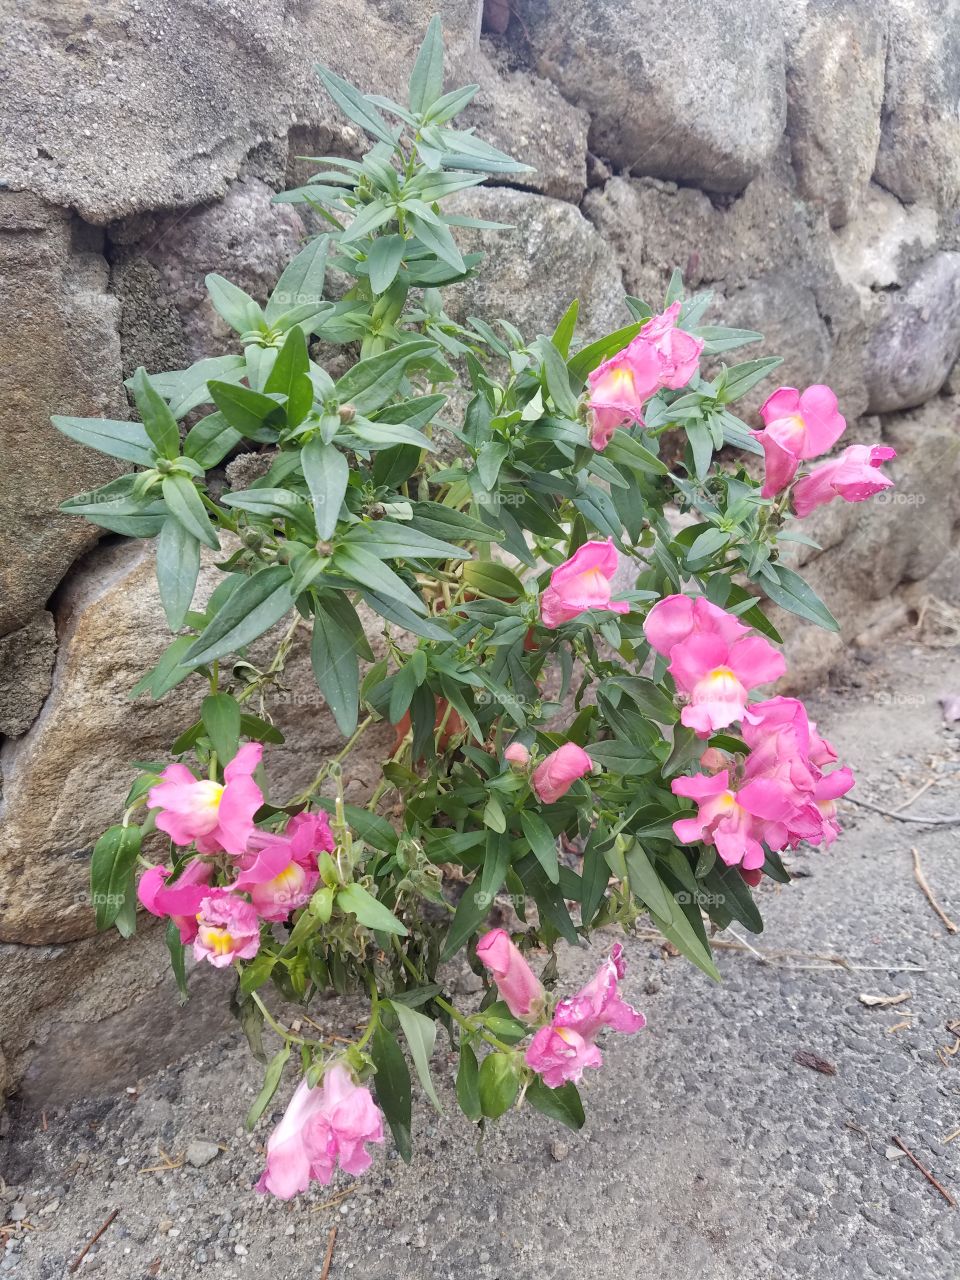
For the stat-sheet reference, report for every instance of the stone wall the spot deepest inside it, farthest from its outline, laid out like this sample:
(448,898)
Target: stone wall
(800,157)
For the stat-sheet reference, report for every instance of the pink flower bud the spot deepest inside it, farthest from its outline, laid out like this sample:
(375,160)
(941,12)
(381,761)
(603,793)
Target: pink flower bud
(517,983)
(517,754)
(561,769)
(582,583)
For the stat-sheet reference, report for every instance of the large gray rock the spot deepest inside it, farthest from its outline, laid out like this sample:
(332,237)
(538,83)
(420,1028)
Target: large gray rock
(26,663)
(124,107)
(64,781)
(689,91)
(919,156)
(874,252)
(533,272)
(58,335)
(835,80)
(916,338)
(243,237)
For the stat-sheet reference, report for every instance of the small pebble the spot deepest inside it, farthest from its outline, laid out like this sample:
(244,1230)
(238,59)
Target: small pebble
(200,1153)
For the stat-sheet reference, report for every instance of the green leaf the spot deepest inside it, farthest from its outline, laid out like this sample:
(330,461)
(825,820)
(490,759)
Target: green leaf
(237,308)
(167,673)
(468,1083)
(392,1084)
(221,718)
(436,236)
(158,422)
(737,381)
(185,389)
(586,361)
(301,283)
(389,541)
(210,440)
(490,459)
(649,697)
(421,1035)
(178,961)
(383,261)
(561,1104)
(563,334)
(250,412)
(452,103)
(336,668)
(114,507)
(499,1084)
(112,878)
(543,843)
(290,377)
(369,911)
(792,593)
(327,474)
(493,579)
(271,1082)
(178,567)
(366,570)
(254,607)
(353,104)
(126,440)
(426,79)
(181,496)
(645,884)
(680,931)
(396,613)
(626,451)
(372,382)
(556,377)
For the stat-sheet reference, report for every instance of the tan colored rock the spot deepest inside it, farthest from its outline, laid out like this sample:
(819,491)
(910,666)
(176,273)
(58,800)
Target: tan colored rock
(65,780)
(835,83)
(58,334)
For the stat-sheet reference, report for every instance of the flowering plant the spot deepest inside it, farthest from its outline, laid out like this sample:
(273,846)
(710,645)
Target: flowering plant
(571,629)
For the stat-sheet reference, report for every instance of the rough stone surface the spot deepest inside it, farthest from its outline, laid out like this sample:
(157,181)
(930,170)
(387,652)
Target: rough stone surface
(684,91)
(919,156)
(73,767)
(129,107)
(917,338)
(874,249)
(762,1169)
(26,661)
(835,80)
(61,355)
(551,256)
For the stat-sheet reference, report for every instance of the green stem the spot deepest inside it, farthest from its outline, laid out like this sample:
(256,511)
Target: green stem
(468,1025)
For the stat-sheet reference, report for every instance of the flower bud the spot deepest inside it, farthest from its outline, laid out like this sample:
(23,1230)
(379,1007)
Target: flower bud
(346,413)
(517,755)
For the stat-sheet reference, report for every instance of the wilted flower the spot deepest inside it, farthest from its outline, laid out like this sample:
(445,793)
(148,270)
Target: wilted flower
(321,1127)
(854,476)
(518,985)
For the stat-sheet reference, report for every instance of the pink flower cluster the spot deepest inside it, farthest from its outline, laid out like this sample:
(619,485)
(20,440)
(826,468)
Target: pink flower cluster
(277,873)
(321,1127)
(798,427)
(779,793)
(562,1048)
(661,355)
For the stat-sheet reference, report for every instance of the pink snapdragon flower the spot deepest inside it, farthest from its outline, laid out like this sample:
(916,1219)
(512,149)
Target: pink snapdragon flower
(280,872)
(723,819)
(321,1127)
(228,929)
(180,901)
(517,754)
(675,618)
(561,769)
(599,1004)
(854,476)
(678,352)
(562,1050)
(797,427)
(582,583)
(619,388)
(518,985)
(212,815)
(718,675)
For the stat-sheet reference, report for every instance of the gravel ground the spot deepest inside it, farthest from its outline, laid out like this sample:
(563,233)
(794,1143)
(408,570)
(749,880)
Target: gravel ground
(708,1152)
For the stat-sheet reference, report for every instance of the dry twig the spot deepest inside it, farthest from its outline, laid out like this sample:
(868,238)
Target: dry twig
(928,893)
(328,1256)
(930,782)
(926,1172)
(937,820)
(91,1242)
